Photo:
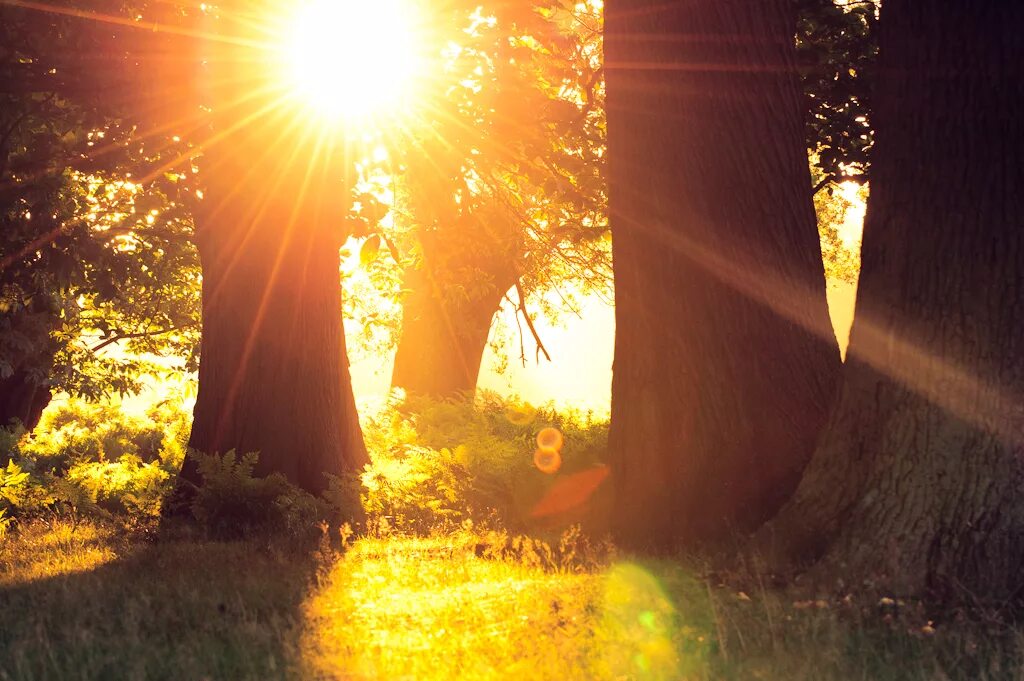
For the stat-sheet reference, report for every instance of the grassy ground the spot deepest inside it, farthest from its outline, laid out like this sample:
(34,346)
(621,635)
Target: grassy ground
(88,601)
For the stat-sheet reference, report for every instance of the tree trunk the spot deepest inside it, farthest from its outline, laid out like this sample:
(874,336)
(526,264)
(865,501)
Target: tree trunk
(725,362)
(444,338)
(26,392)
(467,262)
(274,374)
(918,478)
(22,398)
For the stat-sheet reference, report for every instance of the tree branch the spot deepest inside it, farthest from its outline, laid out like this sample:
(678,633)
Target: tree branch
(126,336)
(529,323)
(522,342)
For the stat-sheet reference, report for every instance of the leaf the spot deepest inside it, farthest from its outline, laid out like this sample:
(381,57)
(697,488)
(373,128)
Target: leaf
(369,250)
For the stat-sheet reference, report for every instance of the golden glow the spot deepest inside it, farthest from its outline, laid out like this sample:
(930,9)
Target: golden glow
(434,608)
(350,59)
(550,438)
(547,460)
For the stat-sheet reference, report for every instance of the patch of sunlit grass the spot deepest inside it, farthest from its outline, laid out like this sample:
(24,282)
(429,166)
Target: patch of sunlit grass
(45,550)
(448,607)
(87,601)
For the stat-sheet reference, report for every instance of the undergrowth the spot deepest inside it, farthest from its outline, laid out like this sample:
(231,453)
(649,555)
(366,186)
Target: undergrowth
(451,573)
(434,463)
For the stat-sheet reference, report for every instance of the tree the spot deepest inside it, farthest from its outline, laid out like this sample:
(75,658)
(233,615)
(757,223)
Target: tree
(725,361)
(274,372)
(170,105)
(88,257)
(501,183)
(916,482)
(836,52)
(274,376)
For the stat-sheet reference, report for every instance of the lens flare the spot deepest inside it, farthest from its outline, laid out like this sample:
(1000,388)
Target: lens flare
(550,438)
(547,460)
(573,491)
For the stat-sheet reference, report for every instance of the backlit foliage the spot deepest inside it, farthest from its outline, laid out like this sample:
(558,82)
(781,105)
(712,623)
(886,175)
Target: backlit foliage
(93,459)
(94,235)
(498,179)
(439,462)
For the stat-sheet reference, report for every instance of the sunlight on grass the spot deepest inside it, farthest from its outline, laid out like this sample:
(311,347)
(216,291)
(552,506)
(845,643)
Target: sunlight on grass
(43,551)
(435,609)
(86,600)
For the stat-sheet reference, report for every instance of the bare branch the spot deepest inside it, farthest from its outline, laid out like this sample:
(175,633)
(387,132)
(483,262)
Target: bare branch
(529,323)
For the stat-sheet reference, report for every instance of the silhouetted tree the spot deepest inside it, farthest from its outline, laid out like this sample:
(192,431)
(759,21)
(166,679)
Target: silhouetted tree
(917,480)
(273,376)
(725,362)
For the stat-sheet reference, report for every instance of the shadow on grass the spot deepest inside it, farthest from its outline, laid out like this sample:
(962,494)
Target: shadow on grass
(174,609)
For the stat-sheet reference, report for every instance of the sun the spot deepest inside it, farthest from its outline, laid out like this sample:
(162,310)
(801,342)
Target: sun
(351,60)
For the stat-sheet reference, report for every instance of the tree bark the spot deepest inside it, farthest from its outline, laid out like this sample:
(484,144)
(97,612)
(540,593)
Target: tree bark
(725,362)
(22,398)
(274,374)
(26,392)
(917,481)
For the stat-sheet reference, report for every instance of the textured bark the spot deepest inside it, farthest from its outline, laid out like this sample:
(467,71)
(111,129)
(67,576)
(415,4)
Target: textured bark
(274,372)
(725,362)
(918,478)
(22,398)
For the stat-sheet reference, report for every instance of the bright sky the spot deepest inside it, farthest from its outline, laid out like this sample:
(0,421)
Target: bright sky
(580,371)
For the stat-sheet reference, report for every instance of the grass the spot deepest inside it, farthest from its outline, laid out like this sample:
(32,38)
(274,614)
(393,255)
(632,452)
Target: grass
(91,601)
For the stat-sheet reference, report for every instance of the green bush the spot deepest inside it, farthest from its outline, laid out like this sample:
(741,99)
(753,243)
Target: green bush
(93,458)
(434,464)
(79,432)
(128,485)
(232,502)
(440,462)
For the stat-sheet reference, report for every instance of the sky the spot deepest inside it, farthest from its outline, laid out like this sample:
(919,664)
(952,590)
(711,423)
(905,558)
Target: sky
(580,371)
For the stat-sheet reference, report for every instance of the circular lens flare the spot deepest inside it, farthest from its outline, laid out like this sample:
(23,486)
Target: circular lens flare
(547,460)
(550,438)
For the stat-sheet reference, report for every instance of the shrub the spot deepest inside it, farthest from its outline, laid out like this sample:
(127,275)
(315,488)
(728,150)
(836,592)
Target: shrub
(78,432)
(128,485)
(232,502)
(93,458)
(439,462)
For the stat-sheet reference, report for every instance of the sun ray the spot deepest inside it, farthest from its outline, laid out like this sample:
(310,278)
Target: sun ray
(141,24)
(288,233)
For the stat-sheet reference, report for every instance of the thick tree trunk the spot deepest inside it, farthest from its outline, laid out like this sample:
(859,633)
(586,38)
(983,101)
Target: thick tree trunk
(22,398)
(443,337)
(725,362)
(274,372)
(26,392)
(918,479)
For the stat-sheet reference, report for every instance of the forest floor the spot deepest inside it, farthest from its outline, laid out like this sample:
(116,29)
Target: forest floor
(88,600)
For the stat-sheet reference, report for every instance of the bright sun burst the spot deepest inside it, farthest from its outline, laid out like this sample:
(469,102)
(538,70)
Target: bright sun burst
(353,59)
